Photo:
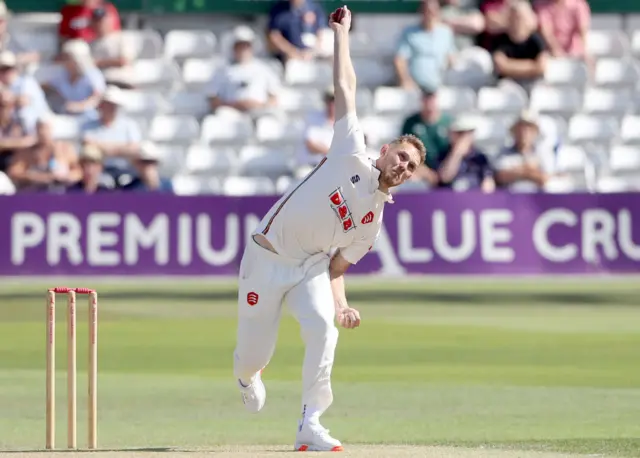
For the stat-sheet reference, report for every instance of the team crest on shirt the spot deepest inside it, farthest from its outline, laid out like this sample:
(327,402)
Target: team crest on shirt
(341,209)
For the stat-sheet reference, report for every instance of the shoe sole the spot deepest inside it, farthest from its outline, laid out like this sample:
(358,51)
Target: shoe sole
(307,448)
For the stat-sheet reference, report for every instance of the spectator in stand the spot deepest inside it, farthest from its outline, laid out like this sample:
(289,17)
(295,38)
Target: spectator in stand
(110,51)
(496,19)
(295,29)
(520,53)
(76,20)
(31,102)
(13,137)
(465,167)
(92,178)
(47,165)
(519,166)
(465,19)
(76,90)
(425,51)
(117,136)
(247,84)
(431,126)
(318,134)
(148,177)
(24,54)
(564,25)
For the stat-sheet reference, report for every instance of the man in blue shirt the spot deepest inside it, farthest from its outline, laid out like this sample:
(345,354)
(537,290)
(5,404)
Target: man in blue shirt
(465,167)
(295,28)
(148,177)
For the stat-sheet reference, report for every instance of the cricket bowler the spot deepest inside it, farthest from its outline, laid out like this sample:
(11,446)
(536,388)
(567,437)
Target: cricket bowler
(303,246)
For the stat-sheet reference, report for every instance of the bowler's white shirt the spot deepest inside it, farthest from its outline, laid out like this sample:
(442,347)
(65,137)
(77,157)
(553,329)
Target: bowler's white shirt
(337,205)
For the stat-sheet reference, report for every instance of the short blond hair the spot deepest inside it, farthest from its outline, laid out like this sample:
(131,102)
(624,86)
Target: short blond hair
(413,141)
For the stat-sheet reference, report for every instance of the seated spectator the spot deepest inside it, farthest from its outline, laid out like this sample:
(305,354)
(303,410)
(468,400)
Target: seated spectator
(518,166)
(7,188)
(465,167)
(12,135)
(465,19)
(520,54)
(564,25)
(148,177)
(8,42)
(92,178)
(295,29)
(76,90)
(496,19)
(31,102)
(425,51)
(76,20)
(110,51)
(47,165)
(117,136)
(431,126)
(246,84)
(318,134)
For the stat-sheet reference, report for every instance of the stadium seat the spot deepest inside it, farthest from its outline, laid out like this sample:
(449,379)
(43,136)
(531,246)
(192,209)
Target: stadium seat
(624,158)
(278,130)
(285,183)
(65,127)
(145,43)
(262,161)
(373,73)
(143,103)
(155,74)
(186,185)
(635,43)
(607,43)
(473,68)
(198,73)
(394,99)
(364,101)
(183,44)
(248,186)
(308,73)
(615,102)
(556,100)
(379,129)
(201,159)
(228,128)
(293,100)
(42,41)
(570,159)
(456,99)
(172,159)
(630,129)
(566,72)
(497,100)
(617,72)
(189,103)
(179,129)
(490,130)
(586,129)
(612,184)
(142,122)
(563,185)
(46,71)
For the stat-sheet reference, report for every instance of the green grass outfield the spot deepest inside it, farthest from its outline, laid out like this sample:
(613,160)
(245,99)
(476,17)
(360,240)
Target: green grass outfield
(535,364)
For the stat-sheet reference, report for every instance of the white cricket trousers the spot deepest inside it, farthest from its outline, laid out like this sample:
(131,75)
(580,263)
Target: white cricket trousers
(267,279)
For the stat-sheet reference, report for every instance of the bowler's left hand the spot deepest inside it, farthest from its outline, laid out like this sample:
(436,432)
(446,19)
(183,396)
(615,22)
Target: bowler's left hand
(348,318)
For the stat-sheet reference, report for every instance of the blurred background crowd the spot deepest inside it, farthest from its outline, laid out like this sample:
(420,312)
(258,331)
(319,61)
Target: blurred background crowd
(520,95)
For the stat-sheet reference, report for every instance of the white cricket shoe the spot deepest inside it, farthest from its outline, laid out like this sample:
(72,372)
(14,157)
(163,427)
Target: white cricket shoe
(312,437)
(254,395)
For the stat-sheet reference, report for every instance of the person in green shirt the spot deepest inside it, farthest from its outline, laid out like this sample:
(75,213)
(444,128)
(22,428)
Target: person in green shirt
(431,126)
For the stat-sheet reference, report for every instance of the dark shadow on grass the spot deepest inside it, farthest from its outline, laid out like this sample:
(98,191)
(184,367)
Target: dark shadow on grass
(470,297)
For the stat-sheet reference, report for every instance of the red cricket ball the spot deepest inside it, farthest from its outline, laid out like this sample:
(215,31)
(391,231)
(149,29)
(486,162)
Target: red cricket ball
(338,15)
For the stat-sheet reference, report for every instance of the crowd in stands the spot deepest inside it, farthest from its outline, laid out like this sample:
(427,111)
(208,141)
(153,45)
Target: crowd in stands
(505,94)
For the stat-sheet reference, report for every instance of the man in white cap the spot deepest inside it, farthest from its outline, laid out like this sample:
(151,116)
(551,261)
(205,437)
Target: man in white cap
(465,166)
(117,136)
(246,83)
(93,180)
(303,247)
(519,166)
(148,177)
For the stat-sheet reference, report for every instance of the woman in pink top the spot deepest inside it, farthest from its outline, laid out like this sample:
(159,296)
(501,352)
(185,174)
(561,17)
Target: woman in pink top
(564,25)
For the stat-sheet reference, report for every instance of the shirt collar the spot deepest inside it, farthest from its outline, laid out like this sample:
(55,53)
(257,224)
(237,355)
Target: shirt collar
(374,184)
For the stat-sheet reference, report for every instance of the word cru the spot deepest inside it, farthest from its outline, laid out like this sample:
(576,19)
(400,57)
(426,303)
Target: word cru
(339,205)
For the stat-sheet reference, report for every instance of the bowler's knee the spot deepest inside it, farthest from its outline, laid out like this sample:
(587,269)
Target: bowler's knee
(322,331)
